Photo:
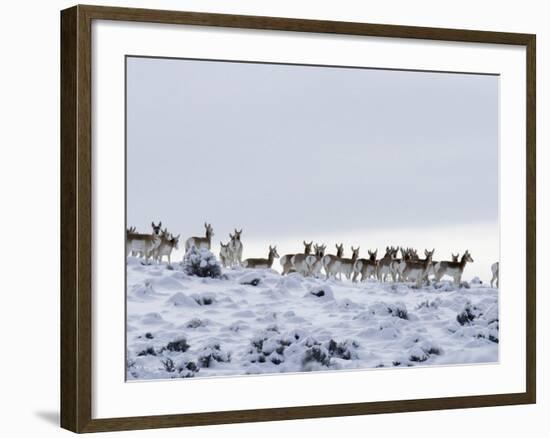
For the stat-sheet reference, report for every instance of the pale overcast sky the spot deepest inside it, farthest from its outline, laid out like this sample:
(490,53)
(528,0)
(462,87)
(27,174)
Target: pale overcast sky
(288,151)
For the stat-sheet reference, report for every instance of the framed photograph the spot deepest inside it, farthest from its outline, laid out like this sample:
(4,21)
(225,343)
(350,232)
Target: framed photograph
(271,218)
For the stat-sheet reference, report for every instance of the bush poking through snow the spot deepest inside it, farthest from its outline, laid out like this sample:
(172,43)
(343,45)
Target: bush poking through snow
(251,279)
(467,315)
(168,365)
(324,293)
(421,353)
(149,351)
(178,345)
(295,347)
(315,354)
(265,347)
(434,305)
(183,368)
(344,350)
(201,263)
(196,323)
(187,369)
(211,354)
(204,299)
(418,354)
(398,310)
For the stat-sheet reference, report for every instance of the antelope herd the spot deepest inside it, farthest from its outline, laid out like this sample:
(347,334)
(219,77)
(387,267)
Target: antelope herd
(313,260)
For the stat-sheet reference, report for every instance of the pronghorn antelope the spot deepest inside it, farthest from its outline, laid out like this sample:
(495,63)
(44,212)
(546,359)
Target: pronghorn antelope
(286,260)
(331,262)
(200,242)
(236,248)
(433,267)
(262,263)
(384,266)
(399,265)
(494,269)
(143,244)
(156,231)
(315,261)
(129,231)
(412,255)
(226,255)
(345,266)
(298,261)
(453,269)
(168,243)
(365,267)
(418,269)
(395,263)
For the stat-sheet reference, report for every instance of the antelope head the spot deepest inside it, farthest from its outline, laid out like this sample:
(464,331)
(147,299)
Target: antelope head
(429,254)
(156,228)
(174,240)
(273,252)
(307,247)
(237,235)
(467,257)
(355,252)
(372,254)
(320,250)
(339,250)
(209,230)
(455,257)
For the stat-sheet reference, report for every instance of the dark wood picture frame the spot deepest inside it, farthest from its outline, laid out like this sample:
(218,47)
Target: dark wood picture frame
(76,218)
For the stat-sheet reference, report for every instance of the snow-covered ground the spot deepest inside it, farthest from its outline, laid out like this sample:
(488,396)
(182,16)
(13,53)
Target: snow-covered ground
(256,321)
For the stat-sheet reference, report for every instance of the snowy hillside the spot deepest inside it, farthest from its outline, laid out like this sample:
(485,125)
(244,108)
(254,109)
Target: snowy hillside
(256,321)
